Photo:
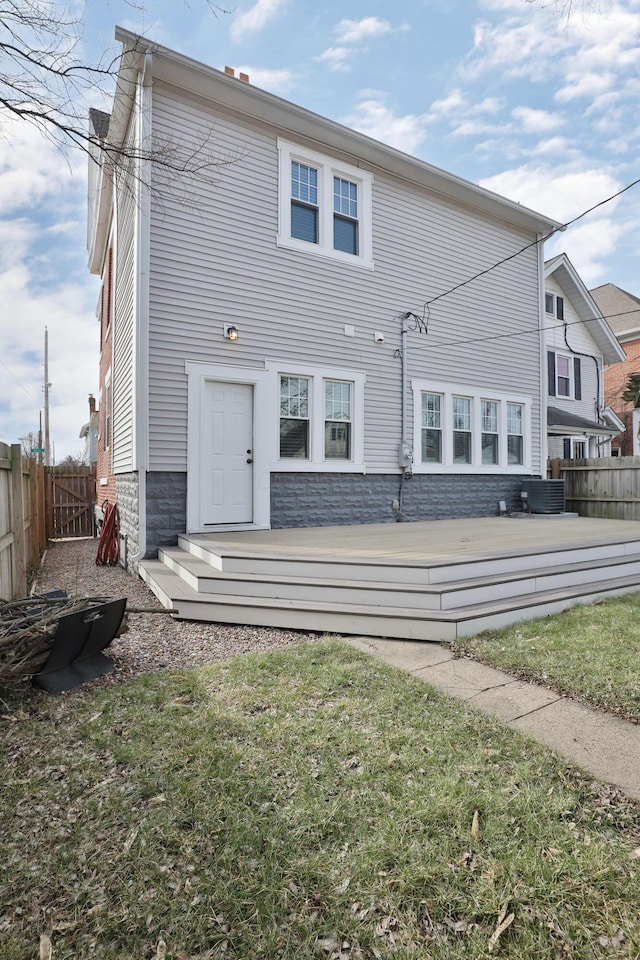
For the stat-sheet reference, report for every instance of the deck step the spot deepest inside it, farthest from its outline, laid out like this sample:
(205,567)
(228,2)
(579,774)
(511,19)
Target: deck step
(426,571)
(388,621)
(206,579)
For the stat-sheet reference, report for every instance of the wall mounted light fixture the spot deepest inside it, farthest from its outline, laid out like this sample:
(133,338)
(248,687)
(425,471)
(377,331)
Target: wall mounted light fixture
(231,332)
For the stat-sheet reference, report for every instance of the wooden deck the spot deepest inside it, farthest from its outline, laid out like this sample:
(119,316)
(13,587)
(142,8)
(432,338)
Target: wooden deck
(432,580)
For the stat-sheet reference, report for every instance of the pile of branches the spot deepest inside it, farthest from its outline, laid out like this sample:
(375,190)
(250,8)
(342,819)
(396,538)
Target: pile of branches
(27,631)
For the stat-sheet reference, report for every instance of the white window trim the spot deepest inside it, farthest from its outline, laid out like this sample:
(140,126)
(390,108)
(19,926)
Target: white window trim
(317,463)
(572,387)
(327,168)
(476,395)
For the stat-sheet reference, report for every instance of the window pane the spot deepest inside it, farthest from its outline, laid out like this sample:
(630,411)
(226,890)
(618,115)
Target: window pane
(304,222)
(490,416)
(337,400)
(548,302)
(489,448)
(345,235)
(345,197)
(294,439)
(431,446)
(461,447)
(514,418)
(337,441)
(294,396)
(431,410)
(304,183)
(461,413)
(514,449)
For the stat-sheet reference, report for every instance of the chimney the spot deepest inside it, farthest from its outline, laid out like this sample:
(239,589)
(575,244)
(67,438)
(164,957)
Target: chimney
(230,72)
(92,403)
(244,77)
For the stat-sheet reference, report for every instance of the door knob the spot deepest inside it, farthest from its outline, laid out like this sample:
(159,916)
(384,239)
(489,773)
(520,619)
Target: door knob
(249,460)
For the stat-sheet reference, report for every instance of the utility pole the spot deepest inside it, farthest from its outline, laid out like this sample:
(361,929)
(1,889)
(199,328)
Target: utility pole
(47,447)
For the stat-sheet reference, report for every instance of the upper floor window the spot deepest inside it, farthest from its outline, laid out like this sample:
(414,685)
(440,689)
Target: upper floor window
(554,305)
(324,206)
(564,375)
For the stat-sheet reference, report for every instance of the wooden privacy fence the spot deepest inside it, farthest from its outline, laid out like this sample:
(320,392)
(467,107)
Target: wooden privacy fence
(22,520)
(606,487)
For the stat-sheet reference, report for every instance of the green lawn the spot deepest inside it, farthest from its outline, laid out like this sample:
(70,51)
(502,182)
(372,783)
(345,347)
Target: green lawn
(306,803)
(589,652)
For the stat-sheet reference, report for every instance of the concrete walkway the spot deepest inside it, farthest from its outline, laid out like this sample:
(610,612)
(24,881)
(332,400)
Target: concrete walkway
(605,746)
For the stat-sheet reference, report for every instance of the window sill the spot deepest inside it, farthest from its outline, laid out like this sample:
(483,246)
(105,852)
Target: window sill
(324,466)
(327,253)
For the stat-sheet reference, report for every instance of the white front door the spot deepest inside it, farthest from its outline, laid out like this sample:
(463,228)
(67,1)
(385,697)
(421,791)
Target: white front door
(227,453)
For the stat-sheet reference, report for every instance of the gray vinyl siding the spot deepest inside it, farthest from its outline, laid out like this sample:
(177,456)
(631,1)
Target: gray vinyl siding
(214,259)
(123,345)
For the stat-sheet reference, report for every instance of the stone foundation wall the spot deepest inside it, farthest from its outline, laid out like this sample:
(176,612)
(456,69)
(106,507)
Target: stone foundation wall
(127,493)
(322,499)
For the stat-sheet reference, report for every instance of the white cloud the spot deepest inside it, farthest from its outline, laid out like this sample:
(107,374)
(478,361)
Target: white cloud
(335,58)
(588,245)
(353,31)
(559,194)
(563,196)
(452,103)
(536,121)
(374,118)
(560,146)
(256,18)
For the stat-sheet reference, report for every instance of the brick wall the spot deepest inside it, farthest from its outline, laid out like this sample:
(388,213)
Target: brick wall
(615,381)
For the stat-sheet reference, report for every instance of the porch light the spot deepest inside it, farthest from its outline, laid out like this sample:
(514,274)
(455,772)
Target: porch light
(231,332)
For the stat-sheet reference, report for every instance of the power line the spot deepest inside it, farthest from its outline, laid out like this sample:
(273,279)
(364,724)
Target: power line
(527,330)
(21,385)
(534,243)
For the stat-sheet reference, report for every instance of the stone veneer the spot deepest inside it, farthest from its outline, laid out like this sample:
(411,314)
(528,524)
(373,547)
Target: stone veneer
(127,500)
(326,499)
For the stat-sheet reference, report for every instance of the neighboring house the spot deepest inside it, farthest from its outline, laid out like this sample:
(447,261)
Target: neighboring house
(622,311)
(265,356)
(579,342)
(89,433)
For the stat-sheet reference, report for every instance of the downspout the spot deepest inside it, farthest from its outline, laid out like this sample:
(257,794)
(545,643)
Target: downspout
(141,334)
(403,412)
(544,439)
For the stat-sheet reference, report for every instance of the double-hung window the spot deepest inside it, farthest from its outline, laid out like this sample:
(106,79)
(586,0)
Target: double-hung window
(489,431)
(321,418)
(324,206)
(304,202)
(337,420)
(431,428)
(461,430)
(515,433)
(477,431)
(294,417)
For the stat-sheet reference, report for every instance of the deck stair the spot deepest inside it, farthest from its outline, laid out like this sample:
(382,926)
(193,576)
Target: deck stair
(419,598)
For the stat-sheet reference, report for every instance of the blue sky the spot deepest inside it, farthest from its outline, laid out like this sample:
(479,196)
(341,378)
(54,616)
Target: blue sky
(510,94)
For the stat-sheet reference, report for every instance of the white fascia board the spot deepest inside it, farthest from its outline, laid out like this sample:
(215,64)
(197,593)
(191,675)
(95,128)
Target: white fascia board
(321,133)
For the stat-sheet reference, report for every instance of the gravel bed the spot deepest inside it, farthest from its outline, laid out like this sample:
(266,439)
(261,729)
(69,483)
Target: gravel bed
(152,641)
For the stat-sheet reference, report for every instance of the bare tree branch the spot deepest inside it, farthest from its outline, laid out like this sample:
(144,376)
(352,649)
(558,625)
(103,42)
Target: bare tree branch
(44,83)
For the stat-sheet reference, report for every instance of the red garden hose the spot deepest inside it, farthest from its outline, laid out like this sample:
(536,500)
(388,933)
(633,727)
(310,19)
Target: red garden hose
(109,544)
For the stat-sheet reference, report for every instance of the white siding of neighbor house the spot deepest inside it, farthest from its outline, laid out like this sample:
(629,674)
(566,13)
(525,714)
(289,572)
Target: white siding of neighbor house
(214,260)
(123,343)
(581,341)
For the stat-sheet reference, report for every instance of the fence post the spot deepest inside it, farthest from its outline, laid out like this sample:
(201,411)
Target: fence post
(17,517)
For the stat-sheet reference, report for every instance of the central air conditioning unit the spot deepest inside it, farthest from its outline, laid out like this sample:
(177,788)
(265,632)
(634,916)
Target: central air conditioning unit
(545,496)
